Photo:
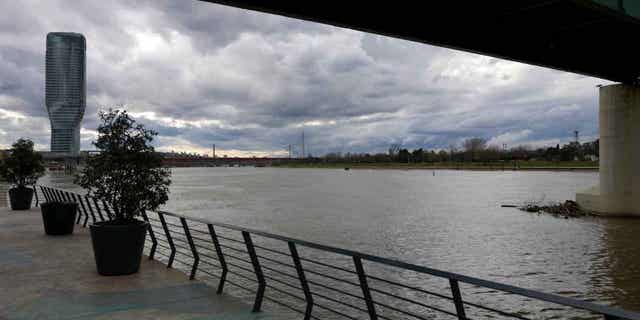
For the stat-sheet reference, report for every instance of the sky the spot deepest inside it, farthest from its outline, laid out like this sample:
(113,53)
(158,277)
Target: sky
(250,83)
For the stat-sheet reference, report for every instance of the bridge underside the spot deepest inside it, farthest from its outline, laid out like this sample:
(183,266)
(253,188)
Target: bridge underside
(580,36)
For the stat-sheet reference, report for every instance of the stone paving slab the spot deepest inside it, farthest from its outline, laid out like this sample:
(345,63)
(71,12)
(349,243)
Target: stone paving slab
(54,277)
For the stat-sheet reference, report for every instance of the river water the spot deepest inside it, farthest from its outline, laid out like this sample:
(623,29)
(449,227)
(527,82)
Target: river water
(450,220)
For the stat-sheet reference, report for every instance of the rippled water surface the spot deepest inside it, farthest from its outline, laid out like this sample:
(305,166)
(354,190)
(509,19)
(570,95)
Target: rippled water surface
(444,219)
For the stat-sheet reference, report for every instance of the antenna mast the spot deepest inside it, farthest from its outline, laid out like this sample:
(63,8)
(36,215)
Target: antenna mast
(303,154)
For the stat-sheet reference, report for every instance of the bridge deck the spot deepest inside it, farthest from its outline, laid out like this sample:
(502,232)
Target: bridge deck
(45,277)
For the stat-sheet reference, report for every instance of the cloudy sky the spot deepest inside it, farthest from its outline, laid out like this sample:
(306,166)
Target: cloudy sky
(201,73)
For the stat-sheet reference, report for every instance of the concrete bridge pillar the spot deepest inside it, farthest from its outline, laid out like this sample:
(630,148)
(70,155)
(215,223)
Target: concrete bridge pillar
(619,189)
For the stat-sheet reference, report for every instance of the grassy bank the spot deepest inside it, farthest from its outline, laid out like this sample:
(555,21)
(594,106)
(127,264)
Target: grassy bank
(509,165)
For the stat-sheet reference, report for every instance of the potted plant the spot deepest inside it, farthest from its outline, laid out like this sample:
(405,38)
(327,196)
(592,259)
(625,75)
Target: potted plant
(128,175)
(22,168)
(58,217)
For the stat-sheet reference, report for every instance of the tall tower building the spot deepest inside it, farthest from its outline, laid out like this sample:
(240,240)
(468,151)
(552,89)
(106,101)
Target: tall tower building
(65,90)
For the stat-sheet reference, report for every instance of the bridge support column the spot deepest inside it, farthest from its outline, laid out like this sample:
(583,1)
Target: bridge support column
(619,189)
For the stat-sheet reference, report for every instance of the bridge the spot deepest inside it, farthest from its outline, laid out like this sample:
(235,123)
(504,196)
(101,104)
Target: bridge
(590,37)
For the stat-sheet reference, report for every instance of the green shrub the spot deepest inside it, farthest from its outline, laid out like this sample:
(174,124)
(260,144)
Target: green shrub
(23,166)
(127,173)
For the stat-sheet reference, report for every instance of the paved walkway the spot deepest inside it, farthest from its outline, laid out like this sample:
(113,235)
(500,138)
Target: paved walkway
(46,277)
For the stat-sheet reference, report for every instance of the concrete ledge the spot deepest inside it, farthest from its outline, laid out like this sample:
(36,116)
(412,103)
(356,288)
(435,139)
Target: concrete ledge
(592,200)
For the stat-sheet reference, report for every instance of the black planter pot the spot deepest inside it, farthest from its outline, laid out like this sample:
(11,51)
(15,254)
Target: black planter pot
(59,217)
(118,247)
(20,198)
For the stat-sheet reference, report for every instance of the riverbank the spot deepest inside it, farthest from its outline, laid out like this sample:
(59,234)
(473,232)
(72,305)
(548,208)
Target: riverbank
(490,166)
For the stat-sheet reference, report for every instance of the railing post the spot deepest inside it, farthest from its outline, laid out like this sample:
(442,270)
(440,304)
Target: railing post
(84,209)
(196,257)
(169,239)
(78,212)
(66,195)
(154,241)
(35,190)
(303,280)
(257,269)
(52,196)
(95,202)
(106,208)
(365,288)
(457,299)
(76,199)
(86,199)
(46,196)
(223,263)
(70,197)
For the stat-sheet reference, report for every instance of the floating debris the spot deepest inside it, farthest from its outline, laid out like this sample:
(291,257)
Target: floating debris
(567,209)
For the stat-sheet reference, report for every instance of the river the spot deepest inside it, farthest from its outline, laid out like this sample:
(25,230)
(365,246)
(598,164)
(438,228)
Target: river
(444,219)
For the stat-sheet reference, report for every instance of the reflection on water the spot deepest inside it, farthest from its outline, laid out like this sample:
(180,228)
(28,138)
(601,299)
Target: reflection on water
(451,220)
(621,241)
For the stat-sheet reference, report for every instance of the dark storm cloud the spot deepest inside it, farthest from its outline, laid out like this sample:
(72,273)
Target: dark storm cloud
(200,73)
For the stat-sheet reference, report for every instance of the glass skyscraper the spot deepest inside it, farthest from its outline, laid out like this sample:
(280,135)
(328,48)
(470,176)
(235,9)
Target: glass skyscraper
(65,90)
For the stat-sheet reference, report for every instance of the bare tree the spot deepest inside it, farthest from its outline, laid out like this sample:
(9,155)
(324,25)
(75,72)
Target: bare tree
(473,146)
(452,151)
(491,153)
(394,149)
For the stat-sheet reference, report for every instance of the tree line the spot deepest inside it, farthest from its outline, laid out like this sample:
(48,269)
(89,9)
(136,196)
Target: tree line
(474,150)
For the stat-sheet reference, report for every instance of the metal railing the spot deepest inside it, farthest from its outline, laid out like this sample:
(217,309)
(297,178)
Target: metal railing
(320,281)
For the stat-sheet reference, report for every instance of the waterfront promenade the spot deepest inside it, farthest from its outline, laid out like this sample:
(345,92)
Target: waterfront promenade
(46,277)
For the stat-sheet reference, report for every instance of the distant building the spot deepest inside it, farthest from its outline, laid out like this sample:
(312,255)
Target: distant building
(65,90)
